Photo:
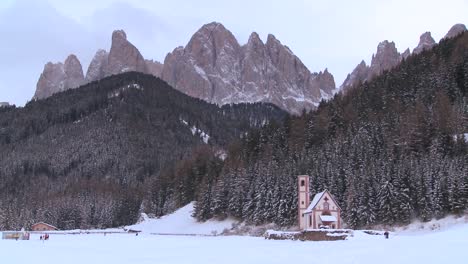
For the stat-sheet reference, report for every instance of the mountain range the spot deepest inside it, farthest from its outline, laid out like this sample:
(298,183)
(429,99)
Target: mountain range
(390,148)
(213,66)
(105,138)
(387,57)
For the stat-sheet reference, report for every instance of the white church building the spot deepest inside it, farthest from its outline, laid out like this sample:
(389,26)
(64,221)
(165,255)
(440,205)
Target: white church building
(322,212)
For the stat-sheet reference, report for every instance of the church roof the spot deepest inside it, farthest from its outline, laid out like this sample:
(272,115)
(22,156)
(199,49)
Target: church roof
(316,199)
(314,202)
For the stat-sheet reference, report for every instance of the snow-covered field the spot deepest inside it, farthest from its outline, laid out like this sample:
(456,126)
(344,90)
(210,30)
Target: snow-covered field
(443,241)
(448,246)
(182,222)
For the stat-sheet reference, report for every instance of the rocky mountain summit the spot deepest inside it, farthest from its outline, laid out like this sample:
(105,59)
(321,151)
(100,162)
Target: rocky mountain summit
(387,57)
(122,57)
(213,66)
(58,77)
(216,68)
(97,66)
(425,42)
(455,30)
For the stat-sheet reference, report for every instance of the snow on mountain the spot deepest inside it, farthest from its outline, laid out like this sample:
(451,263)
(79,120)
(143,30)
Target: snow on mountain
(97,65)
(196,131)
(216,68)
(182,222)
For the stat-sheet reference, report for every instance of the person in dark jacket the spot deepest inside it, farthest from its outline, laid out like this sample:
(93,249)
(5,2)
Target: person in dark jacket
(386,234)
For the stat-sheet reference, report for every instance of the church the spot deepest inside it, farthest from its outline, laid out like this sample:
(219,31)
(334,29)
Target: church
(322,212)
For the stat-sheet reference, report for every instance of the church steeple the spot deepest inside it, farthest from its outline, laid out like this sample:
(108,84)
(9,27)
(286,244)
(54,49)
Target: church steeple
(303,198)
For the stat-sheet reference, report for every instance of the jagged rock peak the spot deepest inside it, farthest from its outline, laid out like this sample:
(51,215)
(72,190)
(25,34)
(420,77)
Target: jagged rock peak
(273,42)
(213,29)
(406,53)
(425,42)
(326,83)
(455,30)
(119,34)
(387,57)
(212,43)
(385,46)
(73,72)
(272,39)
(213,26)
(359,74)
(57,77)
(215,68)
(123,56)
(97,65)
(213,32)
(254,38)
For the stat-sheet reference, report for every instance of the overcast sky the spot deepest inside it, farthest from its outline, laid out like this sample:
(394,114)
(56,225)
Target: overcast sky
(324,34)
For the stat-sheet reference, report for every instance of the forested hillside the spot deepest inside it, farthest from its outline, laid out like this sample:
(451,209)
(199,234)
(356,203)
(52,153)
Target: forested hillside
(87,157)
(390,150)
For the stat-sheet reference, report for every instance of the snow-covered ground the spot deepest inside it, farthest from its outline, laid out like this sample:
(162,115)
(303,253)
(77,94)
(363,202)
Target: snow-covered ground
(446,246)
(442,241)
(182,222)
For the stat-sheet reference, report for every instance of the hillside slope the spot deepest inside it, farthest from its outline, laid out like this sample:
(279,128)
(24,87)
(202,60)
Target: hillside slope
(84,157)
(390,150)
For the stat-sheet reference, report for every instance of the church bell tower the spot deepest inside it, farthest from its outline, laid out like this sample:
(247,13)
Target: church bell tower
(303,199)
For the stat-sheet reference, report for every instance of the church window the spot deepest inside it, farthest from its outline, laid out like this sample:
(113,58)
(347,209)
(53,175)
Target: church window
(326,205)
(302,183)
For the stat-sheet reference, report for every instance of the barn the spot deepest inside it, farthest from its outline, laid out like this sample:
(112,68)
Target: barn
(41,226)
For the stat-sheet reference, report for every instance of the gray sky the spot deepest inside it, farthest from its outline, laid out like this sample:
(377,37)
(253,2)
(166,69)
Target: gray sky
(324,34)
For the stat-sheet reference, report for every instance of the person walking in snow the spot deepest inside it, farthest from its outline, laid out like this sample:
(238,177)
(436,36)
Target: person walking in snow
(386,234)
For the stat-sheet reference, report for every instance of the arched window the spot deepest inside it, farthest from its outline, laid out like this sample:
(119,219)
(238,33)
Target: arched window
(302,183)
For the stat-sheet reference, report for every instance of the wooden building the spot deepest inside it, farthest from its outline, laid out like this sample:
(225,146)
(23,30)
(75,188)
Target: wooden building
(41,226)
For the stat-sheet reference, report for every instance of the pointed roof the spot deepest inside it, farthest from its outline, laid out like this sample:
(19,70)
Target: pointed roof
(317,198)
(42,223)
